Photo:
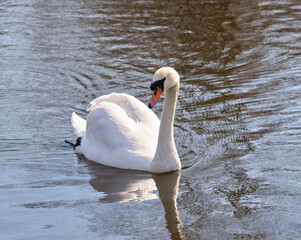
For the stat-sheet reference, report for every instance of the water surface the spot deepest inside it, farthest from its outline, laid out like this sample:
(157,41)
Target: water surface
(237,125)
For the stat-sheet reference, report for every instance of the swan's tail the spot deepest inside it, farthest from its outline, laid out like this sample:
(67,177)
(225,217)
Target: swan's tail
(78,124)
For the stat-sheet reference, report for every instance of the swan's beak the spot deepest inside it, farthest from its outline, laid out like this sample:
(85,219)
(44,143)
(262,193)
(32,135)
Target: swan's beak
(155,97)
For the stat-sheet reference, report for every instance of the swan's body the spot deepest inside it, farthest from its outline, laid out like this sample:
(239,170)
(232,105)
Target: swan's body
(122,132)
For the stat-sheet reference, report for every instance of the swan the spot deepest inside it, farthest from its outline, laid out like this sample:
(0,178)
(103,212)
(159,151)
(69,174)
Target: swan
(122,132)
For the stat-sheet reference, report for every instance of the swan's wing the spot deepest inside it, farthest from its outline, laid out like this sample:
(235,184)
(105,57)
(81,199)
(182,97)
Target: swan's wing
(111,132)
(105,98)
(134,108)
(121,132)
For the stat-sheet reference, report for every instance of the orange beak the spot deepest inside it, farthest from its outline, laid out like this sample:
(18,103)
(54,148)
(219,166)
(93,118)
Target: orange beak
(155,97)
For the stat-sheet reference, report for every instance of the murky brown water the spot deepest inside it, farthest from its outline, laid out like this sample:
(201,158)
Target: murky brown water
(237,126)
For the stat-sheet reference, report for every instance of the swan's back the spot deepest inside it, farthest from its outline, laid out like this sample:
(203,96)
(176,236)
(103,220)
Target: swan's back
(120,131)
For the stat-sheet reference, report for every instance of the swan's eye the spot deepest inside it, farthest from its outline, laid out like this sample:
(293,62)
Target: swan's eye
(159,83)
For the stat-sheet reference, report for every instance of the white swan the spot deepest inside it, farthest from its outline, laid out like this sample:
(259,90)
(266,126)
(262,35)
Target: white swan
(122,132)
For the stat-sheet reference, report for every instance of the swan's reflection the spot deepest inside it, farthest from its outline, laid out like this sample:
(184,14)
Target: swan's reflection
(167,185)
(124,186)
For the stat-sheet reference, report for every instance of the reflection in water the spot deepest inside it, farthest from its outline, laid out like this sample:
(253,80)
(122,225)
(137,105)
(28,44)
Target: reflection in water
(123,186)
(126,186)
(167,185)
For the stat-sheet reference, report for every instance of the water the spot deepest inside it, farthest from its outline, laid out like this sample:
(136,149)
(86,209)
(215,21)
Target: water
(237,125)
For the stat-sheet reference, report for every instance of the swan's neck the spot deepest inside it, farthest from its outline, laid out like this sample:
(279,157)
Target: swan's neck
(166,157)
(167,117)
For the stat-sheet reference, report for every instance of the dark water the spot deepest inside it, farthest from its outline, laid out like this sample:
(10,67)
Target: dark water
(237,125)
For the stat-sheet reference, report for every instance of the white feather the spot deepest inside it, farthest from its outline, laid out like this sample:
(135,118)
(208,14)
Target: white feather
(78,124)
(122,132)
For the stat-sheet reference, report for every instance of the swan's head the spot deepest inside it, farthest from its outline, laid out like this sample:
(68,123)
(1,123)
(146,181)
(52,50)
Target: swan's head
(163,79)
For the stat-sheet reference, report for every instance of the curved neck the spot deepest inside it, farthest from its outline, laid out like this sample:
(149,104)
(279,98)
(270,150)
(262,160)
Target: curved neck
(166,157)
(167,117)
